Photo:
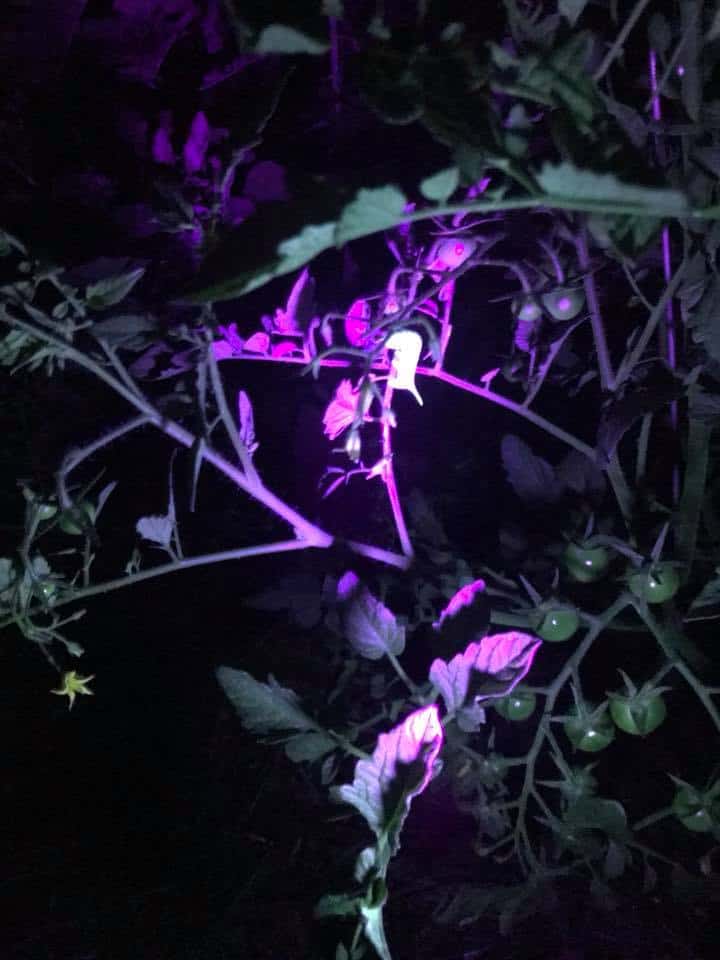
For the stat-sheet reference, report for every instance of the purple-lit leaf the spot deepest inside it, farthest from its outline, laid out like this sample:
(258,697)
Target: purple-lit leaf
(263,707)
(399,769)
(197,143)
(247,422)
(309,746)
(342,409)
(280,38)
(266,182)
(371,628)
(372,210)
(257,343)
(466,616)
(357,323)
(285,349)
(157,529)
(441,185)
(487,669)
(298,313)
(531,477)
(106,293)
(128,330)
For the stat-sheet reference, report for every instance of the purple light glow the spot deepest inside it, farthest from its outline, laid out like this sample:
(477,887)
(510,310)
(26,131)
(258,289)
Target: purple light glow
(342,409)
(564,303)
(463,598)
(417,739)
(505,658)
(357,323)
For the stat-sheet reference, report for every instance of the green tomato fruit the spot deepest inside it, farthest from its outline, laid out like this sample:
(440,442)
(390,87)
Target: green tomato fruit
(558,624)
(638,715)
(564,303)
(70,520)
(46,511)
(526,309)
(589,734)
(656,583)
(694,811)
(518,705)
(584,563)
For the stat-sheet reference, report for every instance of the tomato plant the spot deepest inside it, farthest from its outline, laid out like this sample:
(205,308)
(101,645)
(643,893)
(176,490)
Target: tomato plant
(564,303)
(589,728)
(71,521)
(696,810)
(586,563)
(656,583)
(556,623)
(518,705)
(637,715)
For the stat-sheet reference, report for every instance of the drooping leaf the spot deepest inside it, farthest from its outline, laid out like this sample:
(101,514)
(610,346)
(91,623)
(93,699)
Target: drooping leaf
(247,422)
(281,38)
(400,768)
(532,478)
(106,293)
(157,529)
(466,615)
(309,746)
(596,813)
(263,707)
(440,185)
(128,330)
(371,628)
(587,188)
(372,210)
(487,669)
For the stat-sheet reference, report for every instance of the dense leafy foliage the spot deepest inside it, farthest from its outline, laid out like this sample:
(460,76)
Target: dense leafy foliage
(542,224)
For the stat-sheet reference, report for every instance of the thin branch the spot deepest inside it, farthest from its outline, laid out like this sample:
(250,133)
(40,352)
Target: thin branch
(388,476)
(607,379)
(76,456)
(619,41)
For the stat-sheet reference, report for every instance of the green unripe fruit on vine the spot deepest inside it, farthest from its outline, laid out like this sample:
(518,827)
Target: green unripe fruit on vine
(590,731)
(71,520)
(518,705)
(638,715)
(526,309)
(584,563)
(564,303)
(556,624)
(656,583)
(696,811)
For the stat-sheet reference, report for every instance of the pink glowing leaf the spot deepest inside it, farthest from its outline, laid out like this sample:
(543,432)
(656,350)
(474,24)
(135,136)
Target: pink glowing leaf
(258,343)
(466,616)
(486,669)
(342,409)
(464,597)
(357,323)
(407,347)
(263,707)
(285,348)
(371,628)
(399,769)
(196,143)
(296,316)
(247,422)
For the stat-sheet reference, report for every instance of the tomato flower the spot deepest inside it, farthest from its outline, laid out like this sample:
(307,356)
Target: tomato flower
(343,409)
(72,685)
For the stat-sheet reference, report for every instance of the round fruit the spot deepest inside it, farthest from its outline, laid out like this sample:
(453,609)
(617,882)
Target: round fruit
(638,715)
(46,511)
(70,520)
(584,563)
(694,812)
(564,303)
(518,705)
(526,308)
(655,584)
(589,733)
(558,624)
(46,590)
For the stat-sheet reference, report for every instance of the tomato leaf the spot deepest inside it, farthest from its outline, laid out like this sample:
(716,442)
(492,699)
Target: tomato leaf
(487,669)
(532,478)
(398,770)
(372,210)
(371,628)
(263,707)
(440,185)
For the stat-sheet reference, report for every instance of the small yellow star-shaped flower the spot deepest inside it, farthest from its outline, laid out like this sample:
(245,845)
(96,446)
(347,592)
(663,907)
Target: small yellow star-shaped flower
(72,685)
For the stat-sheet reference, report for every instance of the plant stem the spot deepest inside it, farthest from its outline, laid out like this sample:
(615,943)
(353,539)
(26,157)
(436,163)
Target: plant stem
(617,45)
(388,475)
(702,692)
(607,379)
